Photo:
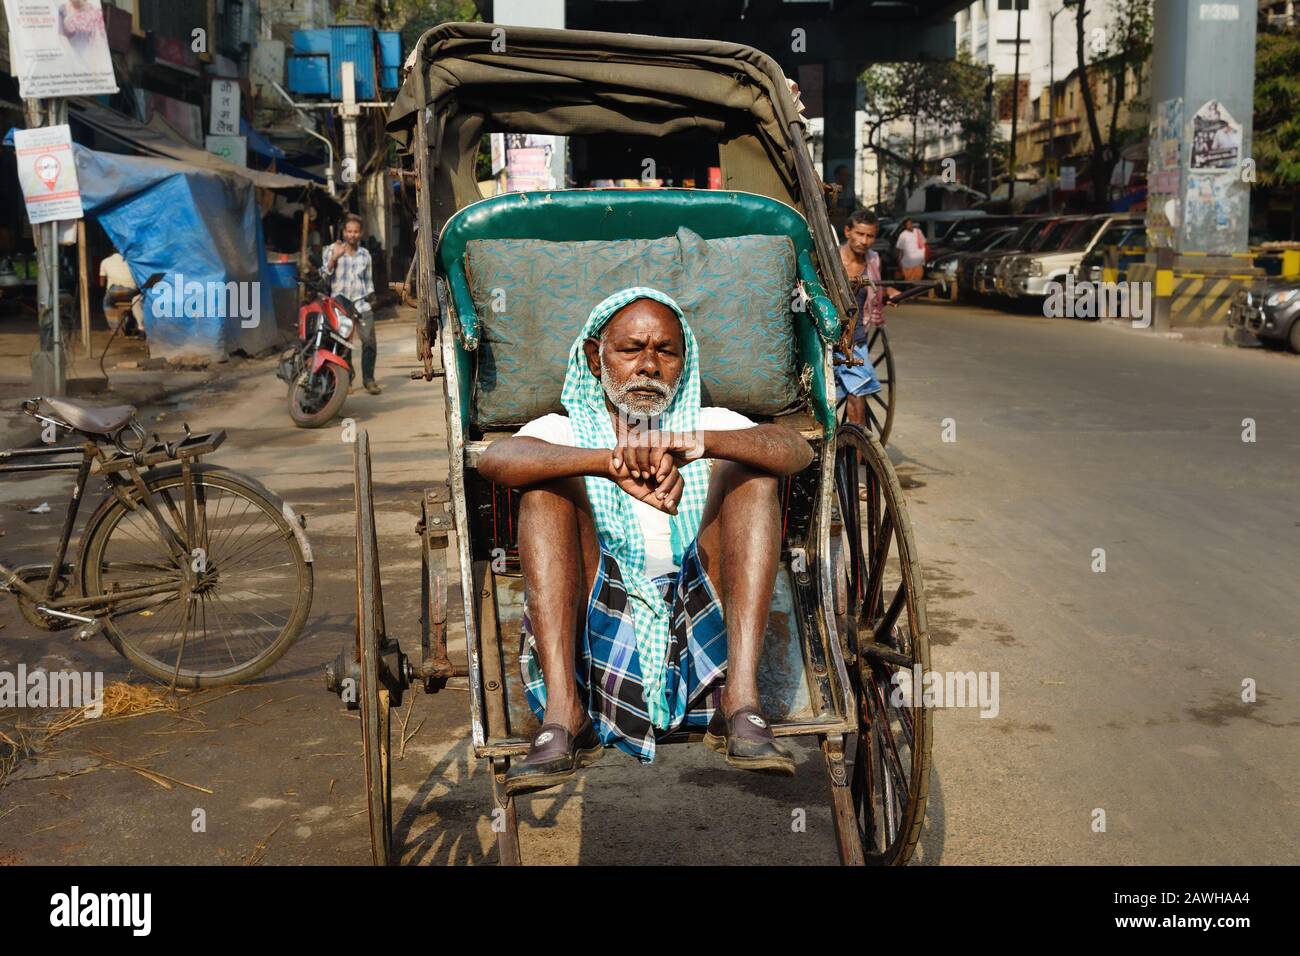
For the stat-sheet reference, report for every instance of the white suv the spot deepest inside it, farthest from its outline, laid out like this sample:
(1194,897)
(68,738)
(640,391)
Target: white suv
(1028,275)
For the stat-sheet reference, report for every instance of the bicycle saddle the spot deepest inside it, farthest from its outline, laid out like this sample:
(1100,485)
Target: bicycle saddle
(91,419)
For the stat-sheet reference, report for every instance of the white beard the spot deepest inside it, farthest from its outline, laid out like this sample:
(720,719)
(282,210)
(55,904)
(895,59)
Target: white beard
(637,407)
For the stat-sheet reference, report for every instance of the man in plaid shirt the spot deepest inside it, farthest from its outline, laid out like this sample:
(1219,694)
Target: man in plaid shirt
(854,384)
(649,534)
(347,264)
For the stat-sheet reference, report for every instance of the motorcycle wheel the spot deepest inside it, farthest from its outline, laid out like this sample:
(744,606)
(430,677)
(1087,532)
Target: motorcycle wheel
(316,397)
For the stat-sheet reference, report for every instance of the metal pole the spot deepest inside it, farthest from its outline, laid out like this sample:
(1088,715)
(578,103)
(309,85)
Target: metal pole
(58,113)
(988,151)
(83,287)
(47,364)
(1051,109)
(351,165)
(329,147)
(1015,111)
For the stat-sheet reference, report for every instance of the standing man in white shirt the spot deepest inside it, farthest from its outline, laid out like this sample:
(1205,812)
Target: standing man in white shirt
(911,251)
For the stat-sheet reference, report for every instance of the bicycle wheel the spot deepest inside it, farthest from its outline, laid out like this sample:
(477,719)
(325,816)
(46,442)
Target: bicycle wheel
(244,601)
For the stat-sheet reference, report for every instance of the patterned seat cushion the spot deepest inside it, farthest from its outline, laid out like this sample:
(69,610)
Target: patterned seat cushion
(533,297)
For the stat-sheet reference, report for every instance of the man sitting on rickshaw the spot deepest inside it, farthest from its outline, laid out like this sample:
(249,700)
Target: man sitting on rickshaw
(650,535)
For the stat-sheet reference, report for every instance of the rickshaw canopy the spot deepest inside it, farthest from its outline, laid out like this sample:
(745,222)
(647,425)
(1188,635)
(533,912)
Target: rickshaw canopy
(467,79)
(478,77)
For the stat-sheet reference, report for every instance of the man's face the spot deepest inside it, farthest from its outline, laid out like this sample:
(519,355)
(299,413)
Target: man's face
(352,234)
(639,357)
(860,238)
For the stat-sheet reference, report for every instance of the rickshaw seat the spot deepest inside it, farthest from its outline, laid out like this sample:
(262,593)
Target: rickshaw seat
(797,677)
(557,250)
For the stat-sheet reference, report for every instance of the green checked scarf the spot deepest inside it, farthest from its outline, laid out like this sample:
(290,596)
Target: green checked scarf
(612,508)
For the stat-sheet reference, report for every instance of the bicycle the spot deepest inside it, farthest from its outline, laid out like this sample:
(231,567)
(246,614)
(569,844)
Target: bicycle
(195,574)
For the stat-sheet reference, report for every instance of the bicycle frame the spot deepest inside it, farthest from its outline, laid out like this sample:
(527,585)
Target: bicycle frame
(112,467)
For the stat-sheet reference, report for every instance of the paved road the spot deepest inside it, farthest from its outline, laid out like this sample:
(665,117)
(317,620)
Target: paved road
(1118,690)
(1121,690)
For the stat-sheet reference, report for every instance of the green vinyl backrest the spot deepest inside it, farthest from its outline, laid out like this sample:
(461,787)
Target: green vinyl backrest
(525,269)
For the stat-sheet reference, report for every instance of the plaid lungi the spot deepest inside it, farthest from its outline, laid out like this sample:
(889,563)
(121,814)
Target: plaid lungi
(609,668)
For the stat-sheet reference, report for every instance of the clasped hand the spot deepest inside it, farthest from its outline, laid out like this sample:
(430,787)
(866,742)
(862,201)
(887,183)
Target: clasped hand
(647,465)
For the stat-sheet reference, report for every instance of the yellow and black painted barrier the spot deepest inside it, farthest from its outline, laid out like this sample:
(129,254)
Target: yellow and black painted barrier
(1184,297)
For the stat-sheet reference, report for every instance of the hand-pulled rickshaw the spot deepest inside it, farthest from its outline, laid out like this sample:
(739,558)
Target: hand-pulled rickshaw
(848,609)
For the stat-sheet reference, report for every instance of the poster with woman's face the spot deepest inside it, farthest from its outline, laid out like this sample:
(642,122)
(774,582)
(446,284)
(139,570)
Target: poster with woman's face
(59,48)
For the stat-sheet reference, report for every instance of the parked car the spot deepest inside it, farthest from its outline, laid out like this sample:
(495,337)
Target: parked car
(966,231)
(945,268)
(1129,238)
(1268,313)
(1055,231)
(975,273)
(1030,276)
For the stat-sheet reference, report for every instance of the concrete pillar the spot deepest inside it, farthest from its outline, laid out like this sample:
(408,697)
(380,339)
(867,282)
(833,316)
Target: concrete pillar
(1202,93)
(839,137)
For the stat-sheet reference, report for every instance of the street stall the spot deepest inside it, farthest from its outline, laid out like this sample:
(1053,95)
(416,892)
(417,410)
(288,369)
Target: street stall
(202,229)
(191,215)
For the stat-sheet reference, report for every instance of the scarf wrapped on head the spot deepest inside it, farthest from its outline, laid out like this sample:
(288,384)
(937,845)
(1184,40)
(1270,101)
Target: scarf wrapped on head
(613,509)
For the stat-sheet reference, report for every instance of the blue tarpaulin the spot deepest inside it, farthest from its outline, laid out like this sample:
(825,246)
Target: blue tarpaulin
(202,229)
(257,143)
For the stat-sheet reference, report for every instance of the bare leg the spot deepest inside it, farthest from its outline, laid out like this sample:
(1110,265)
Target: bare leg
(855,409)
(740,543)
(560,554)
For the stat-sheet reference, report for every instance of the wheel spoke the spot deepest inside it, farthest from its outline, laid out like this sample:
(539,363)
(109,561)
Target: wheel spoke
(886,624)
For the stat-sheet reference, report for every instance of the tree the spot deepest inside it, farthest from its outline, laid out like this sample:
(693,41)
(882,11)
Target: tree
(1276,141)
(985,144)
(1123,45)
(928,93)
(413,17)
(1275,145)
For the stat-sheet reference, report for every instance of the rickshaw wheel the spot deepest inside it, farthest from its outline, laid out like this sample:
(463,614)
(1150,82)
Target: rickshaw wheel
(373,695)
(880,610)
(880,406)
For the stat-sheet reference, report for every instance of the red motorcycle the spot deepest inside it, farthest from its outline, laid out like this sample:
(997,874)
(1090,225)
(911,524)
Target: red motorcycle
(319,369)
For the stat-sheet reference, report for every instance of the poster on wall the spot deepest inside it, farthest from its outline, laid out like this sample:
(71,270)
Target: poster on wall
(47,173)
(184,118)
(528,162)
(1216,138)
(59,48)
(1165,175)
